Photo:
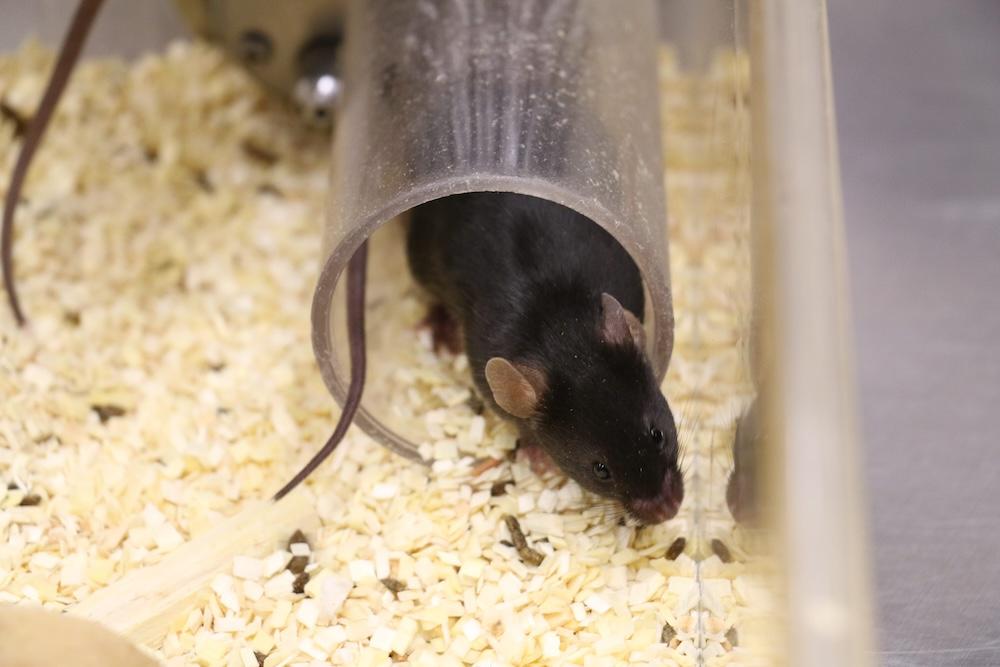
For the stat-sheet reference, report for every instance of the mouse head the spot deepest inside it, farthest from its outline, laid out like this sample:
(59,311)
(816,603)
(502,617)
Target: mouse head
(600,415)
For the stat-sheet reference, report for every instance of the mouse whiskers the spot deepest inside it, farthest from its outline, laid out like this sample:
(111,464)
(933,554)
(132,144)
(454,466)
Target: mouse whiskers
(604,510)
(690,426)
(684,465)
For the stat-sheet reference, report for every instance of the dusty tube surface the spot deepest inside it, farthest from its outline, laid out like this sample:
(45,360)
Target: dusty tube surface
(551,98)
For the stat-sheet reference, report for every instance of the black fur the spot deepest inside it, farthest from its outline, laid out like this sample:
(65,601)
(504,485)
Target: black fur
(524,277)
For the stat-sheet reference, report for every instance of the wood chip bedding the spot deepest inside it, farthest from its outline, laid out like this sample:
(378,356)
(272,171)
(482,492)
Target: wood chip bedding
(166,252)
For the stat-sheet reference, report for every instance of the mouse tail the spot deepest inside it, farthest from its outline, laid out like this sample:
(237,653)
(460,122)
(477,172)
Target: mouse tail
(69,53)
(356,270)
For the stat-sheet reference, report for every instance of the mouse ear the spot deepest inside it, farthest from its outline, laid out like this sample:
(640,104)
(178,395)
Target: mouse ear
(516,389)
(618,325)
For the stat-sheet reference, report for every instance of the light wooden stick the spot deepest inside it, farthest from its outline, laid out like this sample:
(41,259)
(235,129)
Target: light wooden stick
(143,604)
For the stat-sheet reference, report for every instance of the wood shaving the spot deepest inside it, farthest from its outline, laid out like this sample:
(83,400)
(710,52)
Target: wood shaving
(167,250)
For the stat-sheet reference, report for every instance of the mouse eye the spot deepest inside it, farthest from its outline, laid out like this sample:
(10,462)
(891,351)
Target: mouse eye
(656,434)
(601,471)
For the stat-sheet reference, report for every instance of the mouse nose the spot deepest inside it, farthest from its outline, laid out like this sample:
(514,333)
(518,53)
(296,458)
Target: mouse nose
(663,506)
(653,511)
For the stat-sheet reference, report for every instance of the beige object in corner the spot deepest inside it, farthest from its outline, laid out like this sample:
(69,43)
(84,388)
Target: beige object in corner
(34,637)
(142,604)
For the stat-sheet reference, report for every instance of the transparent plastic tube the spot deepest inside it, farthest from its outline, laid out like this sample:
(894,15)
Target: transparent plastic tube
(550,98)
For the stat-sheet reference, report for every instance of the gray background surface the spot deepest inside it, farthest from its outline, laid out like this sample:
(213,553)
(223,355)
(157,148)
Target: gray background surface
(918,103)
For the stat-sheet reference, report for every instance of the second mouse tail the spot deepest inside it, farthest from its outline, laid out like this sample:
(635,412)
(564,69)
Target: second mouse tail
(356,270)
(72,45)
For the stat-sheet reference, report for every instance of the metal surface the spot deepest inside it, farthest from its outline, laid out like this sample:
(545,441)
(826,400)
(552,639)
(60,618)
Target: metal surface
(547,98)
(319,86)
(125,28)
(918,85)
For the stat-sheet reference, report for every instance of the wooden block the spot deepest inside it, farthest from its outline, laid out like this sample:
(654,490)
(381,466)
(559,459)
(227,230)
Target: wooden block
(143,603)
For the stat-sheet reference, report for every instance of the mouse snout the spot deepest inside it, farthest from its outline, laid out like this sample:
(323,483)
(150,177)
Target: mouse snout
(663,506)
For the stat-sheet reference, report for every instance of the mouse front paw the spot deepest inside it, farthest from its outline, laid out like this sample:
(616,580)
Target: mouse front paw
(444,329)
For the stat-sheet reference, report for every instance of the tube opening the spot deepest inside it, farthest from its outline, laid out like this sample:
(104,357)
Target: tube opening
(396,306)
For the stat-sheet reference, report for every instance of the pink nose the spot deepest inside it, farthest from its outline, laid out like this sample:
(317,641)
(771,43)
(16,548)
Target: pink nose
(661,508)
(654,510)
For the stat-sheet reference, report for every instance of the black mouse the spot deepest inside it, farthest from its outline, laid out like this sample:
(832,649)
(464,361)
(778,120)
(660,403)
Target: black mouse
(549,308)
